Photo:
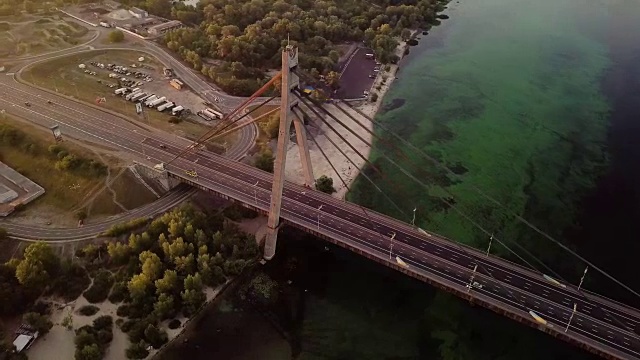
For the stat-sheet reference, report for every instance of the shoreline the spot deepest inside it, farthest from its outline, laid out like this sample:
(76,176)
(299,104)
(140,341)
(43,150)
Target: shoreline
(348,170)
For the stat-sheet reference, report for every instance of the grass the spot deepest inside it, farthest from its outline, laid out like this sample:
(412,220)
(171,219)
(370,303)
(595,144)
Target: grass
(129,192)
(64,76)
(42,35)
(63,189)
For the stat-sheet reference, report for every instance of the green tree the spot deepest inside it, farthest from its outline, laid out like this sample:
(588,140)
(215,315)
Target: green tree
(325,184)
(3,233)
(119,253)
(273,126)
(81,214)
(151,265)
(405,34)
(138,286)
(88,352)
(41,323)
(164,307)
(333,80)
(193,297)
(168,283)
(116,36)
(154,336)
(38,266)
(374,97)
(265,160)
(137,350)
(29,6)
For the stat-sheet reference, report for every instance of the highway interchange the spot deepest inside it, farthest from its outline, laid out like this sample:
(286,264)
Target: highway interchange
(601,323)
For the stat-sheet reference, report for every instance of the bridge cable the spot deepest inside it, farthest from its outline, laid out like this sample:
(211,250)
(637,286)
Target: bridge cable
(580,292)
(504,207)
(232,113)
(488,197)
(448,203)
(486,272)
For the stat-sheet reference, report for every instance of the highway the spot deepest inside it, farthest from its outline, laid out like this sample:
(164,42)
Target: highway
(602,324)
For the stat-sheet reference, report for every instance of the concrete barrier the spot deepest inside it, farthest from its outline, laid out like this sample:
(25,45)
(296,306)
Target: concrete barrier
(77,18)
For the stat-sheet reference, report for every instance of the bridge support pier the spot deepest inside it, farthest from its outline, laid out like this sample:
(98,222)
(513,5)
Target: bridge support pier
(290,81)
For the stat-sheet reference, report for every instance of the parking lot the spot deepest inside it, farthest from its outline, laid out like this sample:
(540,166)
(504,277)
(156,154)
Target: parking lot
(358,75)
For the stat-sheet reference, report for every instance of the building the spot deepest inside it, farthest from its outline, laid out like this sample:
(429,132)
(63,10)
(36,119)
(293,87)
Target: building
(164,27)
(138,13)
(176,83)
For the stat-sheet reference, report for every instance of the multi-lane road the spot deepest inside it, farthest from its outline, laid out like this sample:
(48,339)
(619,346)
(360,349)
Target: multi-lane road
(603,325)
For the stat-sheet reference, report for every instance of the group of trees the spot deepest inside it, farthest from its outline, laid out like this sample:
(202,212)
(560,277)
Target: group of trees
(253,33)
(92,340)
(164,270)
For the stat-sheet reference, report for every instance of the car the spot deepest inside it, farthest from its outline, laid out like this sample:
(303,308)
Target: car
(192,173)
(49,102)
(476,285)
(163,146)
(27,104)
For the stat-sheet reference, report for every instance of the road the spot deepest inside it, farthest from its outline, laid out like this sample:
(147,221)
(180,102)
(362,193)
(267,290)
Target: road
(602,324)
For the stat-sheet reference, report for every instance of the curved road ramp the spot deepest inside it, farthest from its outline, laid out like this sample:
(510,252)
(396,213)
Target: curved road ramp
(15,190)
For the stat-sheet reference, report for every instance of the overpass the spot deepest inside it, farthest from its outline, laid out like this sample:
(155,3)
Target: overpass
(599,325)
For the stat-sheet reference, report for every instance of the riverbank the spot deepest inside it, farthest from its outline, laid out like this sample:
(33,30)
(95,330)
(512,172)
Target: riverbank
(324,136)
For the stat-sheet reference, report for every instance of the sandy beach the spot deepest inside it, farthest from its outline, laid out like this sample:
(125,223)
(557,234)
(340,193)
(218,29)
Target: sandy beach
(348,170)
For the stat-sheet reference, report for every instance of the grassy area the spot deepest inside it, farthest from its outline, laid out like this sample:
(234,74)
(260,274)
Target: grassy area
(263,135)
(130,193)
(64,76)
(64,189)
(39,36)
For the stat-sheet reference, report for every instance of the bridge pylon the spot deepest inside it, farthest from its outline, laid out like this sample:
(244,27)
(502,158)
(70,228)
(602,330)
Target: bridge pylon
(290,81)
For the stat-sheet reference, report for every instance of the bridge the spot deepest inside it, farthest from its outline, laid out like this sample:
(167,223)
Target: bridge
(593,322)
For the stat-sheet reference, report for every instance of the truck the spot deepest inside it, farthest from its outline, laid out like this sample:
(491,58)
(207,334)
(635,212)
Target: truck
(144,98)
(150,99)
(132,94)
(176,110)
(104,24)
(120,91)
(135,90)
(138,96)
(165,106)
(157,102)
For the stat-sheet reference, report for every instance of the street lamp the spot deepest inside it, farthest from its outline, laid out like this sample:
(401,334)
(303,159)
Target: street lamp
(255,192)
(473,274)
(582,278)
(490,241)
(393,236)
(413,220)
(319,208)
(575,307)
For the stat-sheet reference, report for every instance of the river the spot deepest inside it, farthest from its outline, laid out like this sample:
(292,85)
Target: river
(534,103)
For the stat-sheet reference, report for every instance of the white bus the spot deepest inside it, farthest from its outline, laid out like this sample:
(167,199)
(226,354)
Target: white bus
(120,91)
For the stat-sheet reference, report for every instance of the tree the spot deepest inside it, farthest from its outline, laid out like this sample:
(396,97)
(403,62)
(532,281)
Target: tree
(374,97)
(164,307)
(116,36)
(138,286)
(88,352)
(405,34)
(154,336)
(41,323)
(137,350)
(119,253)
(3,233)
(333,80)
(192,296)
(325,184)
(265,160)
(273,126)
(29,6)
(81,214)
(151,265)
(38,266)
(168,283)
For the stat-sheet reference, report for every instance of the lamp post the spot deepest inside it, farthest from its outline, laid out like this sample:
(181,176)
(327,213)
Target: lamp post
(582,278)
(490,241)
(575,307)
(255,192)
(413,220)
(473,274)
(319,208)
(393,236)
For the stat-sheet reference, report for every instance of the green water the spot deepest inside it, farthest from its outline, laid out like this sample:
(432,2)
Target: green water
(508,95)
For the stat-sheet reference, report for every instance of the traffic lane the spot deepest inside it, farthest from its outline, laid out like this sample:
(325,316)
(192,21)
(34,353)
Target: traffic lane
(242,189)
(418,243)
(166,201)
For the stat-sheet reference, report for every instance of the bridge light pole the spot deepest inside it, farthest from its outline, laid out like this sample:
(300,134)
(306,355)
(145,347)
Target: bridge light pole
(255,192)
(413,220)
(393,236)
(490,241)
(473,275)
(582,278)
(319,208)
(575,307)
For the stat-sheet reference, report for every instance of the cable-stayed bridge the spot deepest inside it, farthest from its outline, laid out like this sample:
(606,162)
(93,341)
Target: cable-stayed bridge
(588,320)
